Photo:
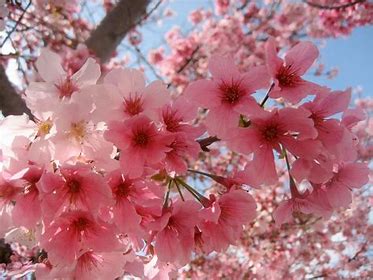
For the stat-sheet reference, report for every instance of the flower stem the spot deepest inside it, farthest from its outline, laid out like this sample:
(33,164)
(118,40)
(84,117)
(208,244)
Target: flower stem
(165,204)
(178,189)
(293,187)
(202,173)
(195,193)
(267,95)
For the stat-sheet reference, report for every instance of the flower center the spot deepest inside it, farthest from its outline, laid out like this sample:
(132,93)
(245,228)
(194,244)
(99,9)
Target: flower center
(170,119)
(66,88)
(78,130)
(8,192)
(81,224)
(317,120)
(44,128)
(270,133)
(133,105)
(141,139)
(74,186)
(231,93)
(123,189)
(287,77)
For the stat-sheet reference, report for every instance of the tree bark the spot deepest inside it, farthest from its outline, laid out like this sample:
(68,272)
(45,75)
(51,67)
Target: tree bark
(11,103)
(103,42)
(114,27)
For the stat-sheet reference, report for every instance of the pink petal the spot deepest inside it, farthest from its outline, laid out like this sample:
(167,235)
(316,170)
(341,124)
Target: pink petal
(49,66)
(221,121)
(244,140)
(308,149)
(88,74)
(248,106)
(302,56)
(203,93)
(223,68)
(283,213)
(335,102)
(127,80)
(256,78)
(352,116)
(273,62)
(339,196)
(354,175)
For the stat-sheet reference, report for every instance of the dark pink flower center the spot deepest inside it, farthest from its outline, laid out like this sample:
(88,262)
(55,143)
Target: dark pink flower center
(317,120)
(66,88)
(231,93)
(141,139)
(171,120)
(8,192)
(287,76)
(123,189)
(270,133)
(74,186)
(81,224)
(133,105)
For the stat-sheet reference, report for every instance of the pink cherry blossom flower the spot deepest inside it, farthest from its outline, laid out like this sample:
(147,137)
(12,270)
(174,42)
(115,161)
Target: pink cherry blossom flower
(132,96)
(289,127)
(306,203)
(223,222)
(128,193)
(182,149)
(335,137)
(89,265)
(287,73)
(140,144)
(76,231)
(27,210)
(349,176)
(176,115)
(74,187)
(76,133)
(227,95)
(57,84)
(9,191)
(175,232)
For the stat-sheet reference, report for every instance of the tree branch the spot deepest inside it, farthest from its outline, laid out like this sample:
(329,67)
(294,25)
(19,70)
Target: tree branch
(11,103)
(333,7)
(205,142)
(114,27)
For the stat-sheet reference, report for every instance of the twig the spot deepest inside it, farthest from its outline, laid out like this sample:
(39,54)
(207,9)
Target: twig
(205,142)
(16,24)
(143,58)
(267,95)
(332,7)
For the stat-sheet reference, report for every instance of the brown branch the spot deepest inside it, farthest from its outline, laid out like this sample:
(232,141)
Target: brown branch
(186,63)
(16,24)
(333,7)
(362,249)
(114,27)
(143,58)
(11,103)
(205,142)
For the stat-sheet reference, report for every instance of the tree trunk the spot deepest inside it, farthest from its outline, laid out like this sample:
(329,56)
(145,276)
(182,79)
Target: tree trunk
(114,27)
(11,103)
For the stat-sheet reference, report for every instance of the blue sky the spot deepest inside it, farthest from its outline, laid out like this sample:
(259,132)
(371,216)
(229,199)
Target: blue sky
(353,56)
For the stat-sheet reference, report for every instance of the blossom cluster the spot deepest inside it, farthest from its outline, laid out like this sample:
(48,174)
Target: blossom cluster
(98,179)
